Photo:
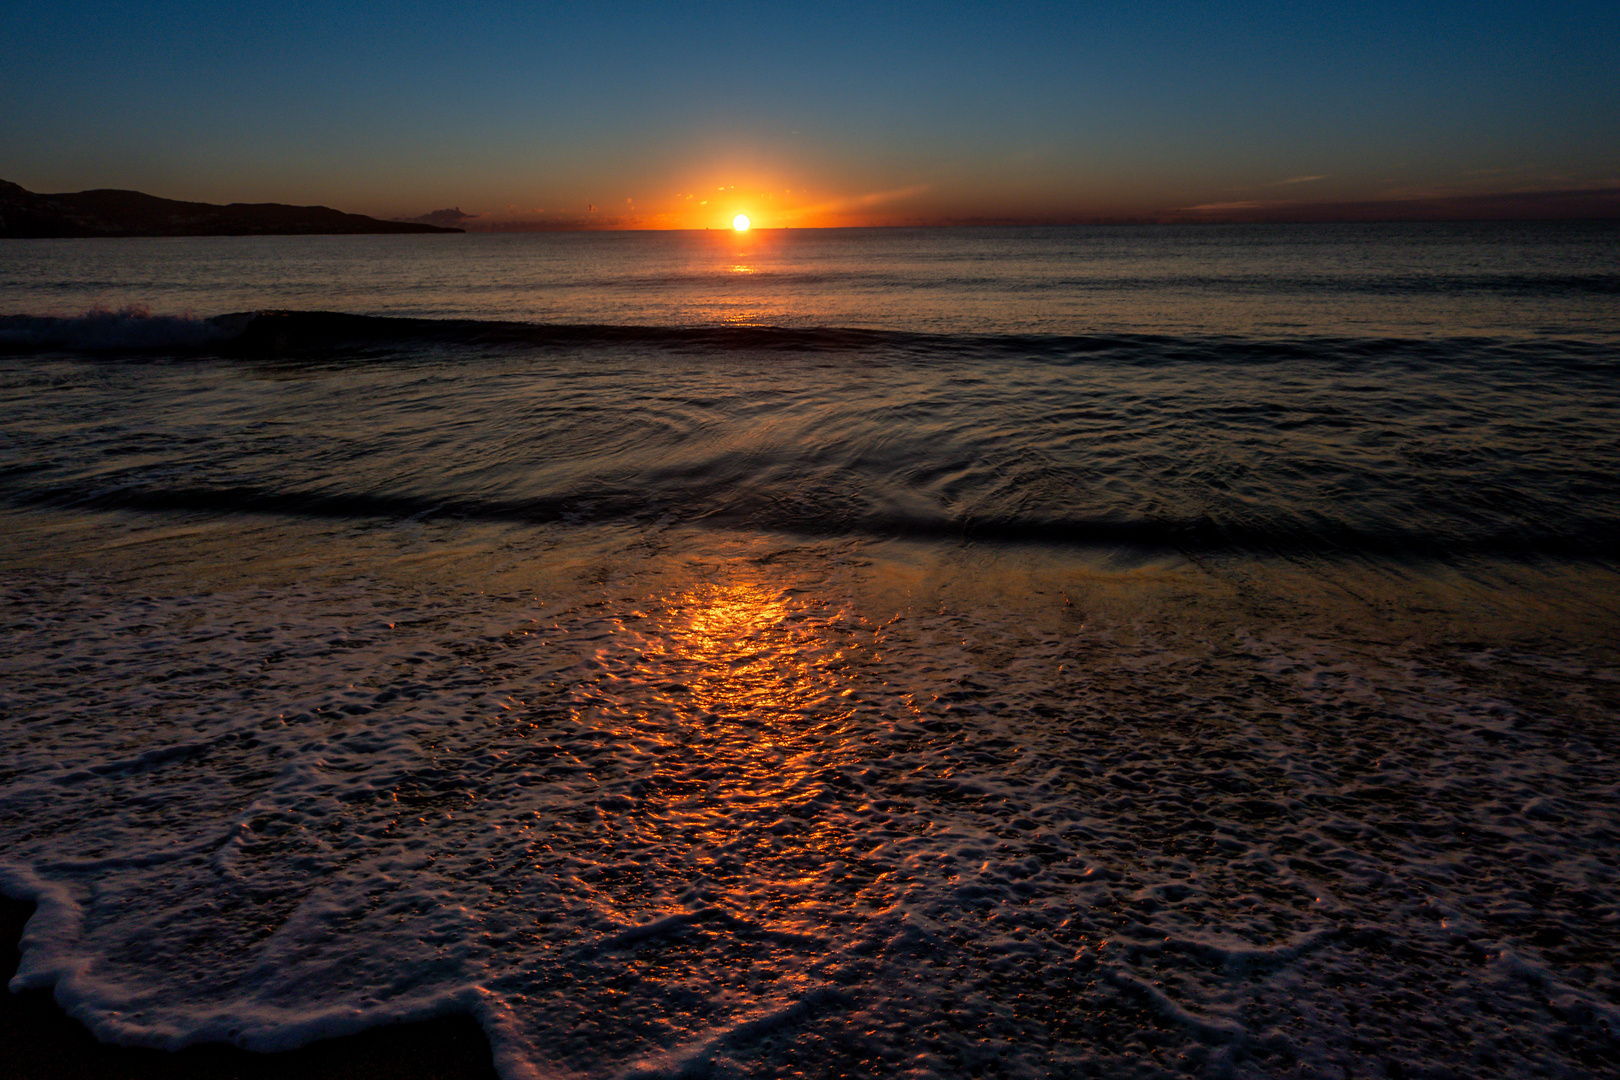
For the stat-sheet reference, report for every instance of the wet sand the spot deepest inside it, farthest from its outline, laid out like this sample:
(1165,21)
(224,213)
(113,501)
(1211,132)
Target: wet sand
(1232,817)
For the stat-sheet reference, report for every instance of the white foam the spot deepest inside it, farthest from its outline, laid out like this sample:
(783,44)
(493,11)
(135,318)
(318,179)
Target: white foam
(744,819)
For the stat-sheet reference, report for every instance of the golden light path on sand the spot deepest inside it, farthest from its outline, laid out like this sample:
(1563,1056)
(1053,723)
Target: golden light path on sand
(664,806)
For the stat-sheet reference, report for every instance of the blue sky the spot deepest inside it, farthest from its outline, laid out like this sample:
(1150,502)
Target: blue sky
(659,114)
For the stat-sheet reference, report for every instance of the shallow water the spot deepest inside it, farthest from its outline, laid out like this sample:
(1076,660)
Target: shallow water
(976,692)
(789,808)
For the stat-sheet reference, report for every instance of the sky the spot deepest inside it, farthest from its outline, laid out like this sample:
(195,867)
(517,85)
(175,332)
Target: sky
(667,115)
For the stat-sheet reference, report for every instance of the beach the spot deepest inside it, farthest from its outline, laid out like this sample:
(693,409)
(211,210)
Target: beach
(1146,653)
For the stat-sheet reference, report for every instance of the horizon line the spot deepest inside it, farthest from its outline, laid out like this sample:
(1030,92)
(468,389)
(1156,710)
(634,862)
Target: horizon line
(1576,204)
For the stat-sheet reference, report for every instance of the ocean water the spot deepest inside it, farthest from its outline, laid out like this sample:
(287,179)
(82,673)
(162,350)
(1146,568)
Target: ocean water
(1124,652)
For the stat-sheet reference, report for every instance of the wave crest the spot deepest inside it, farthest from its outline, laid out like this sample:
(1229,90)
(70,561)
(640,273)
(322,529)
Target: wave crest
(132,327)
(328,335)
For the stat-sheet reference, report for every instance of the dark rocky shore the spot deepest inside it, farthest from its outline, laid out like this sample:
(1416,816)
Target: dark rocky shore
(108,212)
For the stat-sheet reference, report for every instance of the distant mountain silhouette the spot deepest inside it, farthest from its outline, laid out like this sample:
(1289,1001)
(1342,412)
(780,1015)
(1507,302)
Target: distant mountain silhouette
(107,212)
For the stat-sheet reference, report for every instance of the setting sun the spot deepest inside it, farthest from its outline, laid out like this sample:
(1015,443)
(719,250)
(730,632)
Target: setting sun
(740,223)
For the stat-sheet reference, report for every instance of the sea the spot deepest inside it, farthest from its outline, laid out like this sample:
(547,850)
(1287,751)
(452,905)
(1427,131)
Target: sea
(1116,651)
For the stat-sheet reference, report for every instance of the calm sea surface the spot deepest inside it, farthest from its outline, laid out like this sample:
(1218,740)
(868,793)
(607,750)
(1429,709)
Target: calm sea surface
(1024,652)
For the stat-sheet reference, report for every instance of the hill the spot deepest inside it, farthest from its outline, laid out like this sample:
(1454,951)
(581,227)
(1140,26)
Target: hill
(108,212)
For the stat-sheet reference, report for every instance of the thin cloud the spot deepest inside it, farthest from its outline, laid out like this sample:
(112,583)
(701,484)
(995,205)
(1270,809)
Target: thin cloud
(1298,180)
(1544,205)
(863,202)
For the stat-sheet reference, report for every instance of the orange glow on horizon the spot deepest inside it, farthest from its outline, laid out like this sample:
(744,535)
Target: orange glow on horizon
(758,202)
(745,205)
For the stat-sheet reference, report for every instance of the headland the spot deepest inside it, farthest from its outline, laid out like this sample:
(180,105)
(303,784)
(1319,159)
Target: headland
(110,212)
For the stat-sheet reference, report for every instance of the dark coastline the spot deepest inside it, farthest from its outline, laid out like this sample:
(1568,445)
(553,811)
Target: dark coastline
(28,215)
(38,1041)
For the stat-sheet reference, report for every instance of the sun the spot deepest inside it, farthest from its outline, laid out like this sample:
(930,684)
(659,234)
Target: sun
(740,223)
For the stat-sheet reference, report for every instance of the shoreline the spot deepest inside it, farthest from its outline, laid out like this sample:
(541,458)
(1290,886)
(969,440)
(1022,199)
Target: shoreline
(41,1042)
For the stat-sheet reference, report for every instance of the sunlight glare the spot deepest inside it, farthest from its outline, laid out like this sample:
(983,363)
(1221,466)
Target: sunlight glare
(740,223)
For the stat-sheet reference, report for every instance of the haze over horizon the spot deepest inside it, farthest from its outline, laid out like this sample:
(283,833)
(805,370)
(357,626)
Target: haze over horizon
(637,115)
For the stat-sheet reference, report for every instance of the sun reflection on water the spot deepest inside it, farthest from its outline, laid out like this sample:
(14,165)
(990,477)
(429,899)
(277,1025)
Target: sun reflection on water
(739,698)
(724,732)
(754,658)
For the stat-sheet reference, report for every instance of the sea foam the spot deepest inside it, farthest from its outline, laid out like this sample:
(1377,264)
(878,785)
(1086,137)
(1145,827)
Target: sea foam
(752,819)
